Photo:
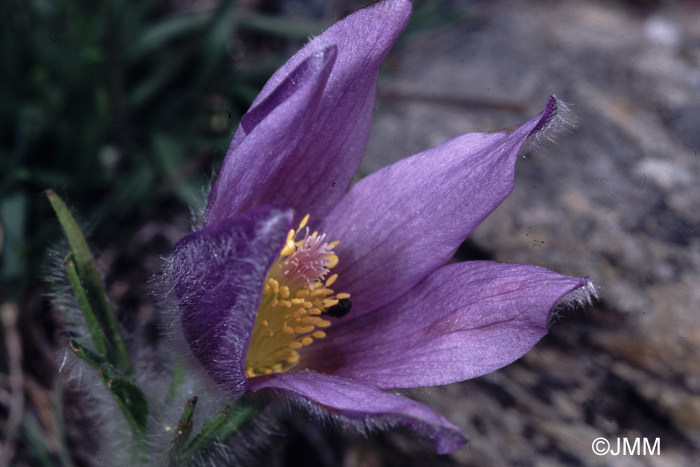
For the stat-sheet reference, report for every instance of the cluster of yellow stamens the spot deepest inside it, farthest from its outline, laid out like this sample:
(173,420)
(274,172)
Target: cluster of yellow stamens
(294,299)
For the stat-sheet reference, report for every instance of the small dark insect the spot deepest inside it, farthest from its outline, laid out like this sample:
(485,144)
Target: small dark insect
(340,309)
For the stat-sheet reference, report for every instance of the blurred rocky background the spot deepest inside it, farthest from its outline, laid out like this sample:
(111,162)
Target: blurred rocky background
(125,111)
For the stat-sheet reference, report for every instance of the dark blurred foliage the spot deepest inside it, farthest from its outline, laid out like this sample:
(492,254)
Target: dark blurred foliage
(120,107)
(124,109)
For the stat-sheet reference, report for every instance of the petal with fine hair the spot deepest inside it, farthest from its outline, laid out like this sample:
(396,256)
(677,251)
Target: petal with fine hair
(365,403)
(317,169)
(218,275)
(406,220)
(463,321)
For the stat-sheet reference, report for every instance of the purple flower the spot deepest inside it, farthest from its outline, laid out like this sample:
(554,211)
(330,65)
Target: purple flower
(358,298)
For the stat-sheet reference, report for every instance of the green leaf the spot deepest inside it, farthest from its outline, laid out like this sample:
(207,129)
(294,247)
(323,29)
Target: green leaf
(243,411)
(182,432)
(87,355)
(129,397)
(98,338)
(202,442)
(94,289)
(224,425)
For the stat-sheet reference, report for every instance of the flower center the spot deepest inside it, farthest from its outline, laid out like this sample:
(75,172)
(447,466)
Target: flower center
(295,299)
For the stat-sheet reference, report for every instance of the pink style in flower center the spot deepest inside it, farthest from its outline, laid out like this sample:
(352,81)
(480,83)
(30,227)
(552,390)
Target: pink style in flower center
(295,299)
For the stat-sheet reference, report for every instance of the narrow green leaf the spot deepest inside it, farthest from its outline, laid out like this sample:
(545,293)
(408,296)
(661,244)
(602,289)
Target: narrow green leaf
(98,338)
(242,412)
(87,355)
(183,430)
(201,443)
(130,398)
(94,289)
(224,425)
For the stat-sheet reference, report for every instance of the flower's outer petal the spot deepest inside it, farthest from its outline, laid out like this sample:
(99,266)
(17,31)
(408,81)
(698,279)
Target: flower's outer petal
(406,220)
(275,126)
(356,400)
(316,169)
(464,320)
(218,275)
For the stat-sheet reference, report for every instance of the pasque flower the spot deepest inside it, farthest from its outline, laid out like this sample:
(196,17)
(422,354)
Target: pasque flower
(331,295)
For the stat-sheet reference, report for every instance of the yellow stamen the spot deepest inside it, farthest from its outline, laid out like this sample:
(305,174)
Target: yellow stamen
(294,296)
(331,280)
(333,261)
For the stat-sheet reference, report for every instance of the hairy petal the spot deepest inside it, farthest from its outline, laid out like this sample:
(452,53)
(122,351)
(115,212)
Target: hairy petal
(464,320)
(218,275)
(316,170)
(357,400)
(274,127)
(404,221)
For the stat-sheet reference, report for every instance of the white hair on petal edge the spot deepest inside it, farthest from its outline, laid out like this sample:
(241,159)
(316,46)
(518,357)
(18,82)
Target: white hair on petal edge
(580,298)
(563,121)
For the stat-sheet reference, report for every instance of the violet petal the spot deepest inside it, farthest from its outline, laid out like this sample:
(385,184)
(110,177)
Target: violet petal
(218,275)
(317,170)
(356,400)
(275,126)
(464,320)
(404,221)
